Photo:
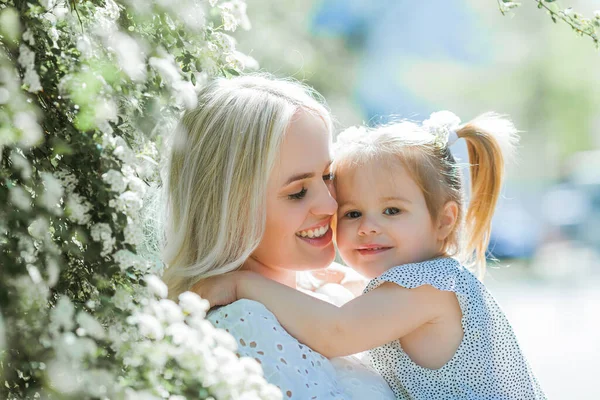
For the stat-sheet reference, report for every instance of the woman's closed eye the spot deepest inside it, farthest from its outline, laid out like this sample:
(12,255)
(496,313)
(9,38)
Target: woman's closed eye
(299,195)
(328,177)
(391,211)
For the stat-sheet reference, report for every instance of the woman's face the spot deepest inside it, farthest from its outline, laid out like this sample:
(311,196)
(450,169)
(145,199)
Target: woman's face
(300,202)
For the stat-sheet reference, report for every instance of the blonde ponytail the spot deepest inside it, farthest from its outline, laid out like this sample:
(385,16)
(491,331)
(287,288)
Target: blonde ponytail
(490,139)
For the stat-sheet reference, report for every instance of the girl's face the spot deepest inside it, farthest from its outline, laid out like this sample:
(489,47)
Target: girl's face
(300,203)
(383,220)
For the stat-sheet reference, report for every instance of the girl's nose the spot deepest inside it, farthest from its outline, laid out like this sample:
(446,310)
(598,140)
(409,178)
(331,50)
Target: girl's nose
(368,227)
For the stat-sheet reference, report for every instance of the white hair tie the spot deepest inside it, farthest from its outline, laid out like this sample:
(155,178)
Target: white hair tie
(443,125)
(452,138)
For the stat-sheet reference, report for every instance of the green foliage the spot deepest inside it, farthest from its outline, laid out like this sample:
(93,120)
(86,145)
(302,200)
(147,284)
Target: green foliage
(88,91)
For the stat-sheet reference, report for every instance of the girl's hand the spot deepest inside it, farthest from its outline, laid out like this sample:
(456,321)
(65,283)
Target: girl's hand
(219,290)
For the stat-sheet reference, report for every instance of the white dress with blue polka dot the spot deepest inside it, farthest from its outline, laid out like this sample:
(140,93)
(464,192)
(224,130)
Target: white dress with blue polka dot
(488,364)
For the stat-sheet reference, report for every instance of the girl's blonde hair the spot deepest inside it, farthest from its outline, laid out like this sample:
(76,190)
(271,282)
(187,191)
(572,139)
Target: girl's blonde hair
(222,154)
(426,156)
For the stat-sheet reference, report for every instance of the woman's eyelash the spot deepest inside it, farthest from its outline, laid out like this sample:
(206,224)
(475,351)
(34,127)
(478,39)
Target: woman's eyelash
(299,195)
(328,177)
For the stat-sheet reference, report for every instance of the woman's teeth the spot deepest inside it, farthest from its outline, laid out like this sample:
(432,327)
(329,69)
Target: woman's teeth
(314,233)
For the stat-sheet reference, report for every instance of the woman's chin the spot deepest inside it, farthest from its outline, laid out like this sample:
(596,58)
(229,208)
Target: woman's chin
(321,259)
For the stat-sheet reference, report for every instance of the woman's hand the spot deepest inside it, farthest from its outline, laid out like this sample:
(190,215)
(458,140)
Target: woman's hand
(219,290)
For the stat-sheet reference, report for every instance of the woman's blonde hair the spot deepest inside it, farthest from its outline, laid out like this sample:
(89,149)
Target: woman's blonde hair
(490,139)
(222,154)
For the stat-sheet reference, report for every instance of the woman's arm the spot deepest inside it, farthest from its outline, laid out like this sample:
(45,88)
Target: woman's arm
(298,371)
(378,317)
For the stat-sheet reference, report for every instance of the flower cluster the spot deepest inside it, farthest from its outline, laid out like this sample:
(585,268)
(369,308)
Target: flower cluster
(88,89)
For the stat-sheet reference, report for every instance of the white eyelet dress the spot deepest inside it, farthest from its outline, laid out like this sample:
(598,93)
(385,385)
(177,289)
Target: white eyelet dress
(298,371)
(488,365)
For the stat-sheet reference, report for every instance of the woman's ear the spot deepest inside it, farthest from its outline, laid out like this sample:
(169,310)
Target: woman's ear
(447,220)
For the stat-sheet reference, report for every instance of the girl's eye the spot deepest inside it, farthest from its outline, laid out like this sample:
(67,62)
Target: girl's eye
(391,211)
(352,214)
(328,177)
(299,195)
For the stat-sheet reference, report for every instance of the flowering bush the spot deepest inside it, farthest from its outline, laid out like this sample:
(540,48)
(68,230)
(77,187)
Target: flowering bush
(88,91)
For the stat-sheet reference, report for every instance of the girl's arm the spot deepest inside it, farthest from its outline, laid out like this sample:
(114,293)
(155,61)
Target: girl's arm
(378,317)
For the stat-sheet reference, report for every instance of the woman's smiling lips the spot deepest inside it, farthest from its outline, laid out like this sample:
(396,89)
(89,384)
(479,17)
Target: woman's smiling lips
(318,235)
(372,249)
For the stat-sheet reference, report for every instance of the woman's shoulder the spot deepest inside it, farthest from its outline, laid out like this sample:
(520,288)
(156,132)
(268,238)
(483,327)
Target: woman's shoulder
(240,308)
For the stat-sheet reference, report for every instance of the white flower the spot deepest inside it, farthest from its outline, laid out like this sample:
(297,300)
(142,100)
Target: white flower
(39,228)
(34,274)
(166,68)
(440,124)
(105,110)
(4,95)
(130,56)
(115,180)
(20,162)
(242,61)
(51,198)
(234,14)
(224,339)
(73,348)
(180,332)
(28,37)
(20,198)
(159,354)
(133,233)
(27,61)
(149,326)
(209,65)
(78,209)
(122,150)
(192,15)
(92,327)
(185,94)
(129,201)
(101,232)
(32,80)
(126,259)
(62,314)
(136,184)
(171,311)
(110,10)
(26,57)
(31,133)
(226,42)
(193,304)
(157,286)
(53,272)
(84,45)
(122,299)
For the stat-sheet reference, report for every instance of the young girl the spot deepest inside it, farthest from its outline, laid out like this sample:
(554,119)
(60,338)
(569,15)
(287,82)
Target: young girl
(432,329)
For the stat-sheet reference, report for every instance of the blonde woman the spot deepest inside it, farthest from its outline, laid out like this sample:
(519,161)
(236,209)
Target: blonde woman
(249,187)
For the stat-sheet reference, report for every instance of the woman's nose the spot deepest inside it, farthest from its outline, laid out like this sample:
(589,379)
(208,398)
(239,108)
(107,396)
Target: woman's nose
(325,203)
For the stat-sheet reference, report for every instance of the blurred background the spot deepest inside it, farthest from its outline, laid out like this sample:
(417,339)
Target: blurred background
(371,59)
